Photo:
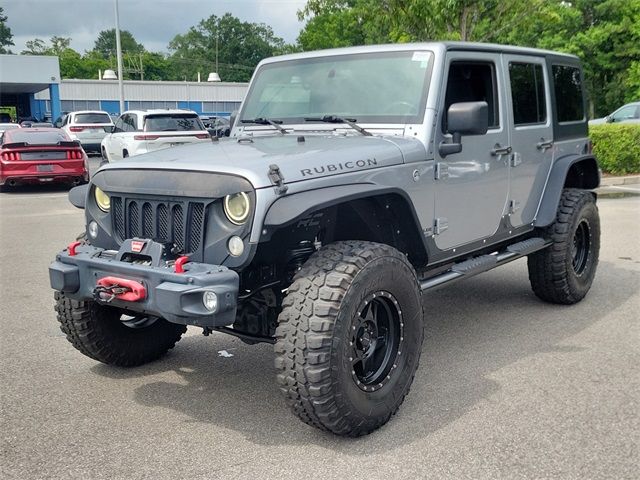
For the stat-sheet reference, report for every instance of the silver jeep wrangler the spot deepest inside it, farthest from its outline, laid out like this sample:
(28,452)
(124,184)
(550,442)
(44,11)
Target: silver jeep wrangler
(354,180)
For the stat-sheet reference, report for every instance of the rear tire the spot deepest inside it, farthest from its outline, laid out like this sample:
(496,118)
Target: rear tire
(349,337)
(563,272)
(97,332)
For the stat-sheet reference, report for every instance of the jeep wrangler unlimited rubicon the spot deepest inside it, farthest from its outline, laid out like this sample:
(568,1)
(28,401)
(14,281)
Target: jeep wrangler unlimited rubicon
(353,181)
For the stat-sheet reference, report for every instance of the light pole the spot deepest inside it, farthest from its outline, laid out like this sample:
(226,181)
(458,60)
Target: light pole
(119,56)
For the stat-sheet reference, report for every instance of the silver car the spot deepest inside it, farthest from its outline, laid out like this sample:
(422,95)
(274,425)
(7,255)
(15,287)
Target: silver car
(629,113)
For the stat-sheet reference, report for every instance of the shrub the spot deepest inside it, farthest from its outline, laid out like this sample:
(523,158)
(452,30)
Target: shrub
(617,147)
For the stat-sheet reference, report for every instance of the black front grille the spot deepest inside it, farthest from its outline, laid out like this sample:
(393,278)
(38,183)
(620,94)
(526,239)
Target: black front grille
(178,223)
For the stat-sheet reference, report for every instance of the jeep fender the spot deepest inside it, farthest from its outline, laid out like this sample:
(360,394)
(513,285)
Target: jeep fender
(291,208)
(576,171)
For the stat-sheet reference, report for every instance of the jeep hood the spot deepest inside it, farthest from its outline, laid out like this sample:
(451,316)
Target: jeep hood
(299,157)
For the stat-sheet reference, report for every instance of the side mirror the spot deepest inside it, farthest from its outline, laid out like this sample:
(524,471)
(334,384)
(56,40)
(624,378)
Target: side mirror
(464,118)
(110,129)
(78,195)
(608,119)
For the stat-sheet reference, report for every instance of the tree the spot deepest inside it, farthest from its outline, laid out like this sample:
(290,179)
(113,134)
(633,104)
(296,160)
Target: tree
(240,46)
(106,43)
(35,47)
(6,37)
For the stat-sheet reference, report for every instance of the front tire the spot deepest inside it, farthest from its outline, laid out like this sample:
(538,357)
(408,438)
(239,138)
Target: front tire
(563,272)
(101,332)
(349,337)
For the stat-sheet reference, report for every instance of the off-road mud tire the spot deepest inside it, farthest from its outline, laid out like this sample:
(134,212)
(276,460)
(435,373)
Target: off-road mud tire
(313,336)
(96,331)
(552,273)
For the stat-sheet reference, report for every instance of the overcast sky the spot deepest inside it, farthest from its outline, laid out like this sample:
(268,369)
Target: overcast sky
(152,22)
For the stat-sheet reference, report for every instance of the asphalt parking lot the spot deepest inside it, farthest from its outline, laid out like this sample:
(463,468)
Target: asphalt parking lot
(508,387)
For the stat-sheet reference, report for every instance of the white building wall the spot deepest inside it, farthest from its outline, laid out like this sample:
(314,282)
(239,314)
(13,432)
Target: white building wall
(150,91)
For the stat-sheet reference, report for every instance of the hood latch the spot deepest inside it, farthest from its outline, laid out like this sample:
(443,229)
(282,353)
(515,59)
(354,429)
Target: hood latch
(277,179)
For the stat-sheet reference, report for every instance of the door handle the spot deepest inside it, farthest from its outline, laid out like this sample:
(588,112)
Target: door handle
(544,144)
(499,150)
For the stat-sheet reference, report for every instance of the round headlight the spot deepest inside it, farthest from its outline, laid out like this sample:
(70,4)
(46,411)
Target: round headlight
(236,207)
(102,199)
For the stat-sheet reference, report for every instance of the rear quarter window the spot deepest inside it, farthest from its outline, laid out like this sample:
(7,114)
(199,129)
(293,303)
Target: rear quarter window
(567,84)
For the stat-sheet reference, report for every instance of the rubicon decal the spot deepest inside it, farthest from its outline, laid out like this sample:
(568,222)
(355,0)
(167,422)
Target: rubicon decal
(339,167)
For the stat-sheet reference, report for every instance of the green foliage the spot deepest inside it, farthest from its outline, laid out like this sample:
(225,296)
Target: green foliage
(239,46)
(617,147)
(6,37)
(605,34)
(106,43)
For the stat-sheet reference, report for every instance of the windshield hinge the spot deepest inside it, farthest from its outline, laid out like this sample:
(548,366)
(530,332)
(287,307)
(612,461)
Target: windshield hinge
(277,179)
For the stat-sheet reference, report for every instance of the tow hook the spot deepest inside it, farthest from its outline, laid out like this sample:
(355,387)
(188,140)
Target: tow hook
(110,288)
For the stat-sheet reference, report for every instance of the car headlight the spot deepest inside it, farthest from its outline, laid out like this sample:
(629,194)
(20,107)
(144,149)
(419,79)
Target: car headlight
(102,199)
(237,207)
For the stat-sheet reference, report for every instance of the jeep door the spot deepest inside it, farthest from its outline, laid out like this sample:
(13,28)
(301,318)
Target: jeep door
(471,186)
(531,138)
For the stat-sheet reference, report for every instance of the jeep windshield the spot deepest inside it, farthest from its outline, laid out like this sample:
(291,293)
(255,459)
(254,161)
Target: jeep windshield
(380,87)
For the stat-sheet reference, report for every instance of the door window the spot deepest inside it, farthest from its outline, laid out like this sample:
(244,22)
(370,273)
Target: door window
(472,82)
(527,93)
(129,123)
(118,126)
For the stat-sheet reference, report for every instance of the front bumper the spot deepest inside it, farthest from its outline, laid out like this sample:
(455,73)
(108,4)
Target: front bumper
(176,297)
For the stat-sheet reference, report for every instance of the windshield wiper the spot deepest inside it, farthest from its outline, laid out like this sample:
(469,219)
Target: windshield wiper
(266,121)
(335,119)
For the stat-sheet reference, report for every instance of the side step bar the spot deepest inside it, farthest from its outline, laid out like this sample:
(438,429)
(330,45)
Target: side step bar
(474,266)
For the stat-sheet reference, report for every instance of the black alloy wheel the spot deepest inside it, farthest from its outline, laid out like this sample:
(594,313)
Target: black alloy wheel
(377,336)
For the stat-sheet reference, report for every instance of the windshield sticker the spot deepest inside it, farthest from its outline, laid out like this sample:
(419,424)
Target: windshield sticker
(421,57)
(338,167)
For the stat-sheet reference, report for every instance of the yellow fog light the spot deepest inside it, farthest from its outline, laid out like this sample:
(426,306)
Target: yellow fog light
(102,199)
(237,207)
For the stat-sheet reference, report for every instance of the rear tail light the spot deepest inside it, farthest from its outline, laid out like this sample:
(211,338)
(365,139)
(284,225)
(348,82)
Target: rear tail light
(74,155)
(11,156)
(203,135)
(146,137)
(76,129)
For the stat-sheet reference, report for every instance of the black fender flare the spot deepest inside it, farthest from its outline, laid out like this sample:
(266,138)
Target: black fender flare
(558,180)
(290,208)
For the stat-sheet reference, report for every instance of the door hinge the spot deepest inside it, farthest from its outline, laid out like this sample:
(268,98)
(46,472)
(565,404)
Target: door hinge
(514,206)
(442,171)
(516,159)
(440,225)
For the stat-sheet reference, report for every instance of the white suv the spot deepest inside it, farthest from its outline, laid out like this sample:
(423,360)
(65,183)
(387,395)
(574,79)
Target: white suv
(142,131)
(89,127)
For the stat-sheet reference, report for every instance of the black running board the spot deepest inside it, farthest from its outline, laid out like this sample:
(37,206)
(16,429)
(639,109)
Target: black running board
(476,265)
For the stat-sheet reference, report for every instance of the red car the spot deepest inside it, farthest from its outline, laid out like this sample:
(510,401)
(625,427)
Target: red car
(41,155)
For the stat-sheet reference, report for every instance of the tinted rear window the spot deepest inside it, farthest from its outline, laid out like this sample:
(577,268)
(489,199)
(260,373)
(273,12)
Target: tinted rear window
(568,89)
(91,118)
(173,122)
(34,137)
